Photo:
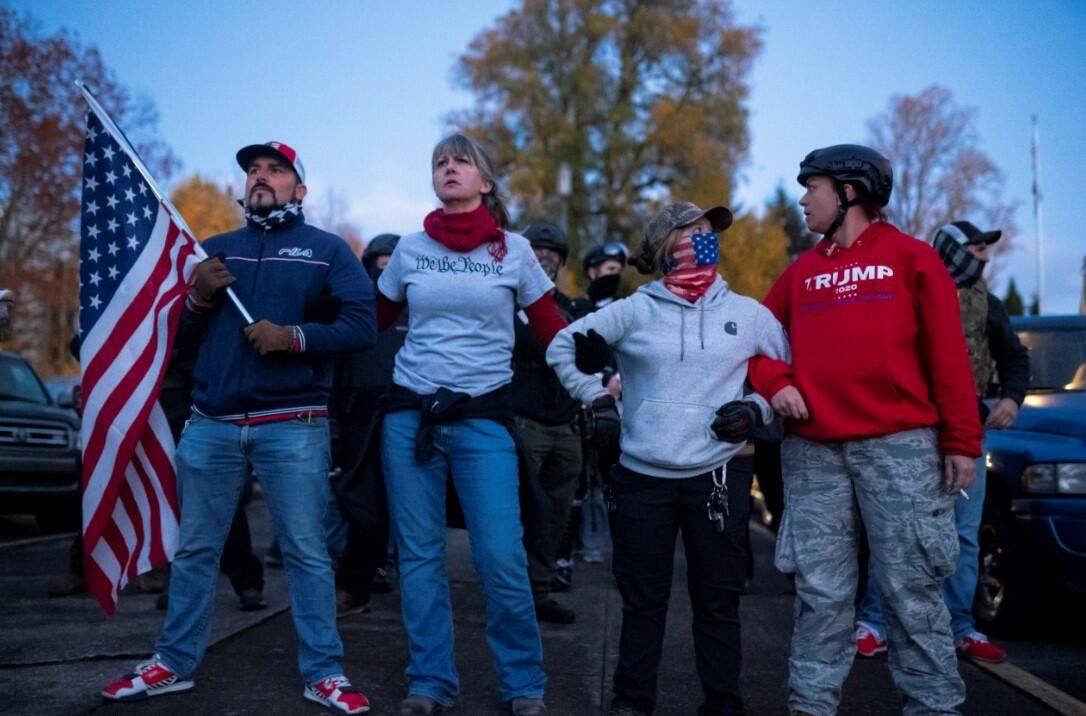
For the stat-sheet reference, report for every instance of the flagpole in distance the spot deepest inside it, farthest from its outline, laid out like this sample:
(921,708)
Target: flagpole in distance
(122,140)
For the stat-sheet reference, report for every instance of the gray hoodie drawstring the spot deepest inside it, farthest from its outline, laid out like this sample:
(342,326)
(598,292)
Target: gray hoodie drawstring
(682,333)
(701,325)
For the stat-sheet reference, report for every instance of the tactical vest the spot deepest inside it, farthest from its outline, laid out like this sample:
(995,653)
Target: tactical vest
(974,308)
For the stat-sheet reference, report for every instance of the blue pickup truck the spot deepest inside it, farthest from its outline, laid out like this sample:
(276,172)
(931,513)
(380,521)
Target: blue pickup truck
(1033,534)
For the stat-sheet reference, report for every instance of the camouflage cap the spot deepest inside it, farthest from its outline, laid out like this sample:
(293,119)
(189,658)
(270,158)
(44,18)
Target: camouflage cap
(668,219)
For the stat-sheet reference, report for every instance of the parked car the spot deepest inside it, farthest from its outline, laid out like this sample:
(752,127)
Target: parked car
(39,449)
(1033,533)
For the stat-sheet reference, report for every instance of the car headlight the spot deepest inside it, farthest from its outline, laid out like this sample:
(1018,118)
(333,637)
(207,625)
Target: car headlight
(1068,478)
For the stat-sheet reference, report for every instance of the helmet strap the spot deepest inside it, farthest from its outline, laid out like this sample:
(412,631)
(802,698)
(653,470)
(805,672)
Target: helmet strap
(843,205)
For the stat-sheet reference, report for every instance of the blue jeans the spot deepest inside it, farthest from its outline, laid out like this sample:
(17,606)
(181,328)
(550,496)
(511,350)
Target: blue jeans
(959,588)
(481,458)
(290,459)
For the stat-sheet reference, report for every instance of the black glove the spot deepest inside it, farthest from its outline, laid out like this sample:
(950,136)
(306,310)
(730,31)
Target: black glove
(606,424)
(592,352)
(735,421)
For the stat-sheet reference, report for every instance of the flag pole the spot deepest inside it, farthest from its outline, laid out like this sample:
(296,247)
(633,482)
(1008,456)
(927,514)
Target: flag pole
(122,140)
(1035,155)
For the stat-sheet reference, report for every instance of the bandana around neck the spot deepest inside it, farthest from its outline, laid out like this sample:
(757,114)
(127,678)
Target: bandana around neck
(692,267)
(466,231)
(286,214)
(965,268)
(551,266)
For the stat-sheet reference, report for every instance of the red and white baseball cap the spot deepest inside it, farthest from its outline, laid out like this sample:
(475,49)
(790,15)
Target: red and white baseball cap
(279,150)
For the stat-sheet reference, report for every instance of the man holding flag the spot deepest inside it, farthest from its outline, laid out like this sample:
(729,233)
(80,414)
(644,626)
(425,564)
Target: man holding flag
(260,407)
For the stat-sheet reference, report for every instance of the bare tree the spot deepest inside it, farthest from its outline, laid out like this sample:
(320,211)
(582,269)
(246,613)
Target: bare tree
(940,173)
(42,123)
(331,213)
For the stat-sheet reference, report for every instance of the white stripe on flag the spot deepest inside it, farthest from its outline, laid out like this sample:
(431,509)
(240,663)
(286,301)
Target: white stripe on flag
(154,324)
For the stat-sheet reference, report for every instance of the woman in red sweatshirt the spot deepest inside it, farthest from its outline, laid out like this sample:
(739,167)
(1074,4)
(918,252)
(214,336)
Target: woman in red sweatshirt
(883,430)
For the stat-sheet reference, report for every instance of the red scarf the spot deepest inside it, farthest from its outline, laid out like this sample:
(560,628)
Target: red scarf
(466,231)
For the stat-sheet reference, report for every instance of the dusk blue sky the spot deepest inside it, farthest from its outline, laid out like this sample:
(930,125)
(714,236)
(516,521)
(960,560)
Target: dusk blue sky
(361,88)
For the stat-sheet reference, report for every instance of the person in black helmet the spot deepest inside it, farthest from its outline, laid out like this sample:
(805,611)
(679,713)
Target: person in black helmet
(361,379)
(602,264)
(881,410)
(587,527)
(548,421)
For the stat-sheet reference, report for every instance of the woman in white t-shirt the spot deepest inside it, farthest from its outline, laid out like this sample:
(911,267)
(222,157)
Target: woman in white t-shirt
(447,415)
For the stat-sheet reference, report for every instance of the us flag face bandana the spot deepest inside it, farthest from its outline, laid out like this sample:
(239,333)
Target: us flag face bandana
(692,267)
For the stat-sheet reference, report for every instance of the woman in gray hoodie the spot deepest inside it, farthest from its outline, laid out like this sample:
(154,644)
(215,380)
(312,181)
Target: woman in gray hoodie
(682,343)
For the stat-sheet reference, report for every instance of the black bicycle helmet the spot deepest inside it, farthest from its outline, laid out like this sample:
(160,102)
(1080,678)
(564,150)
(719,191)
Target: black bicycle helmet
(545,235)
(610,251)
(380,245)
(868,171)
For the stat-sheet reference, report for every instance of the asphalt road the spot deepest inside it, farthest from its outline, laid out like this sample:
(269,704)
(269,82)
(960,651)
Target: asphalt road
(56,653)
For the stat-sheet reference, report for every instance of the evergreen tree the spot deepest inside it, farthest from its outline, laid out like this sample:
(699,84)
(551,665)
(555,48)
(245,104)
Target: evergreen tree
(1013,300)
(783,210)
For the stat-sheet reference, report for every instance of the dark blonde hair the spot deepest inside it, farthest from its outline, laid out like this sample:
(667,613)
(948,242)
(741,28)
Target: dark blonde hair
(462,145)
(666,247)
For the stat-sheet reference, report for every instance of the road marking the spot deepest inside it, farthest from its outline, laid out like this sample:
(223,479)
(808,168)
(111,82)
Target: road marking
(1046,693)
(1059,701)
(37,540)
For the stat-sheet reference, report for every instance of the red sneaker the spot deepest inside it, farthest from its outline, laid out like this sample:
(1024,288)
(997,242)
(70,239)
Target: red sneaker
(337,694)
(975,645)
(868,642)
(151,678)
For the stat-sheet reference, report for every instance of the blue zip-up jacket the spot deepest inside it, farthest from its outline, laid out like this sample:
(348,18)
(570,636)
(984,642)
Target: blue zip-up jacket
(277,272)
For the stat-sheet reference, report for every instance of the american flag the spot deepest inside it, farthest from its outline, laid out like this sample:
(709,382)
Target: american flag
(704,249)
(135,261)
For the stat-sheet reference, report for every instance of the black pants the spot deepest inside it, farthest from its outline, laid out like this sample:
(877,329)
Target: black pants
(646,514)
(552,457)
(365,552)
(367,518)
(767,465)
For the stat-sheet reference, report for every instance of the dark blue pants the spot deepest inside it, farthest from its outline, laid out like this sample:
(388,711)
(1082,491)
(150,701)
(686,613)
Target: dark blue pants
(646,515)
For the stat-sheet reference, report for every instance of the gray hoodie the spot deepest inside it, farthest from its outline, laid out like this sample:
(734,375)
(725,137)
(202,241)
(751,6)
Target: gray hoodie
(679,362)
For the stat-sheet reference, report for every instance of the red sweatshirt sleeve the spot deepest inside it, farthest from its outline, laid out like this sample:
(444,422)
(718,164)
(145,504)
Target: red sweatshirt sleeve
(388,311)
(947,358)
(769,375)
(544,319)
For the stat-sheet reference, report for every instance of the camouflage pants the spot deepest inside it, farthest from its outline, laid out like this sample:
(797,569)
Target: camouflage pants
(892,484)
